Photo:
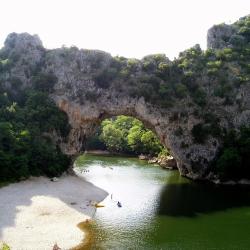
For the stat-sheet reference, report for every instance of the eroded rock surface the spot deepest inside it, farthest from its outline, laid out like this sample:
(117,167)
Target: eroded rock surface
(218,36)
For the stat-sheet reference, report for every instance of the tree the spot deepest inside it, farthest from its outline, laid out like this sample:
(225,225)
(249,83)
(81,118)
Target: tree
(134,138)
(151,143)
(113,138)
(228,162)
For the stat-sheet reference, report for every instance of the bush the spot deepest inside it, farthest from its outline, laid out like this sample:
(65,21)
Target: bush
(44,82)
(199,133)
(181,90)
(228,162)
(5,247)
(199,97)
(104,79)
(233,160)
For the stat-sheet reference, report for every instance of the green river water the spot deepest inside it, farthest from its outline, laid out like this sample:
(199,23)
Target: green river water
(162,210)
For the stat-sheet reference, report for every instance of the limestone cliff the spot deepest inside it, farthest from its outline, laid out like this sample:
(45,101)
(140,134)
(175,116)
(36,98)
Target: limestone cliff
(219,35)
(189,102)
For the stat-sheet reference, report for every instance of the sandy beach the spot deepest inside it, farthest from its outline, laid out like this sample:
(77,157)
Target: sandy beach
(37,213)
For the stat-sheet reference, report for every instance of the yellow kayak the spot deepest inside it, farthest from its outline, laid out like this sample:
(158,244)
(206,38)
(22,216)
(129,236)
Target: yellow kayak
(99,205)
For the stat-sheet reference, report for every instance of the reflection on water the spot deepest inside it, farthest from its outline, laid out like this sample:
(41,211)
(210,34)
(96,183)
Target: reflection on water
(161,210)
(192,199)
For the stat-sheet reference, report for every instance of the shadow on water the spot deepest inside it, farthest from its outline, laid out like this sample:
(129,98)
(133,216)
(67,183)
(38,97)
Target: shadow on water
(182,197)
(192,199)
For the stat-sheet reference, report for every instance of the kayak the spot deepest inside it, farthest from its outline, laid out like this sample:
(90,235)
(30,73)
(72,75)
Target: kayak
(99,205)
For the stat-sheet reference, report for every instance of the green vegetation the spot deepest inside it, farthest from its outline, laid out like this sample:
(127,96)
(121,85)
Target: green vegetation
(234,158)
(5,247)
(125,134)
(28,118)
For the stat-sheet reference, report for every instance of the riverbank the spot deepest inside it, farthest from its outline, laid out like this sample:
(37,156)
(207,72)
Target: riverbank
(97,152)
(37,213)
(107,153)
(164,161)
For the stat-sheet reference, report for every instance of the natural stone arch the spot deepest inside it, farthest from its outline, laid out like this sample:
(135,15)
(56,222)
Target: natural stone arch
(76,82)
(86,93)
(84,119)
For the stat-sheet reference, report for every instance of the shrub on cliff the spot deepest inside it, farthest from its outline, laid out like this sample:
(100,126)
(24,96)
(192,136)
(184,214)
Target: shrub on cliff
(44,82)
(234,158)
(228,163)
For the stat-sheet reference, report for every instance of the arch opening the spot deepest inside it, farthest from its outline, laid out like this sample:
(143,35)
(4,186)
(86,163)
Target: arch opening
(128,136)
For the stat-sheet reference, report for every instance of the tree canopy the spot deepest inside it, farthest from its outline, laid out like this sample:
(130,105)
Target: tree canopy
(126,134)
(27,121)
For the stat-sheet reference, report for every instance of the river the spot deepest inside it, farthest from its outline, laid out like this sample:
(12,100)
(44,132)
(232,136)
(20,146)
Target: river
(162,210)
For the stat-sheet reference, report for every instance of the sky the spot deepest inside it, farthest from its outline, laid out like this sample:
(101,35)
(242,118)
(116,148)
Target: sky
(130,28)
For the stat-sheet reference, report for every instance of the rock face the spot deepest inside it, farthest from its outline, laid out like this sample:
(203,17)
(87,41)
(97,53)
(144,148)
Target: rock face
(87,93)
(27,53)
(167,162)
(219,35)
